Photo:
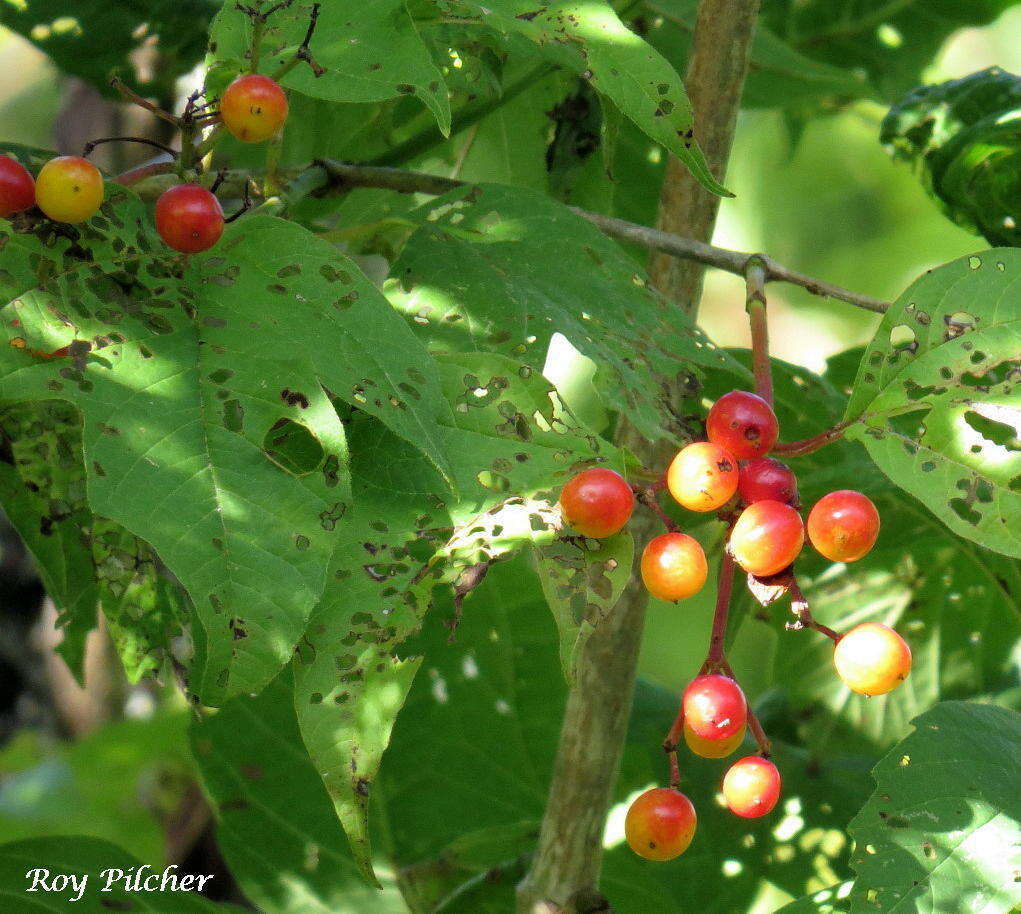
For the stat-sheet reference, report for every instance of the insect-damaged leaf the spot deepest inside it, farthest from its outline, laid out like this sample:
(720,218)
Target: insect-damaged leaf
(183,383)
(370,52)
(937,401)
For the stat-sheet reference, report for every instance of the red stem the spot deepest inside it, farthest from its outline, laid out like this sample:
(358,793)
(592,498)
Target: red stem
(810,445)
(724,588)
(646,495)
(801,609)
(761,740)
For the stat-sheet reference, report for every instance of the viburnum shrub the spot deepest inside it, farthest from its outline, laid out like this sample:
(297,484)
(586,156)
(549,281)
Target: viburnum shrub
(388,452)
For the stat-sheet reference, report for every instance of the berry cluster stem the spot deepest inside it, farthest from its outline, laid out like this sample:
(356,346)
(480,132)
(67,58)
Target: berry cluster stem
(755,305)
(724,589)
(801,609)
(810,445)
(646,495)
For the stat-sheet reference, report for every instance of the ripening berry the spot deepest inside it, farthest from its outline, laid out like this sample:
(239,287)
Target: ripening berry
(189,218)
(843,526)
(712,748)
(872,659)
(766,479)
(751,787)
(702,477)
(714,707)
(660,824)
(69,189)
(674,567)
(767,537)
(253,107)
(597,502)
(17,189)
(743,423)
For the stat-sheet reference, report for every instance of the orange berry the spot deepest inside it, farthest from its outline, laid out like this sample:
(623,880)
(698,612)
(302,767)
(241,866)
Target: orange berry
(712,748)
(751,787)
(843,526)
(660,824)
(767,537)
(597,502)
(872,659)
(69,189)
(674,567)
(253,107)
(703,476)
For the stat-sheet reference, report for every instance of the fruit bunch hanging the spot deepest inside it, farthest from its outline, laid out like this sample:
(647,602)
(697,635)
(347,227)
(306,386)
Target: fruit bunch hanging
(188,216)
(756,497)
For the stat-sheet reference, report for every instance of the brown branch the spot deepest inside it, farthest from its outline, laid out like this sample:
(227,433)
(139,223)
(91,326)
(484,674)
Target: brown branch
(810,445)
(724,589)
(801,609)
(646,495)
(136,99)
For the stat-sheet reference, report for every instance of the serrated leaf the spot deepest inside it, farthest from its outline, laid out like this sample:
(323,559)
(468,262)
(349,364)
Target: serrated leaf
(937,402)
(582,581)
(942,831)
(275,823)
(592,40)
(186,385)
(369,54)
(501,269)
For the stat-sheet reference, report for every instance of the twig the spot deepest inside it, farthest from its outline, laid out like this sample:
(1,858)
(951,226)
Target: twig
(724,589)
(646,495)
(137,99)
(801,609)
(670,744)
(92,144)
(755,305)
(761,740)
(810,445)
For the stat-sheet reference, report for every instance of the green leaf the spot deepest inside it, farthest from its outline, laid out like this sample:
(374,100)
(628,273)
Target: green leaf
(591,40)
(961,136)
(369,55)
(94,858)
(96,40)
(937,404)
(187,387)
(275,823)
(833,900)
(501,269)
(942,829)
(582,581)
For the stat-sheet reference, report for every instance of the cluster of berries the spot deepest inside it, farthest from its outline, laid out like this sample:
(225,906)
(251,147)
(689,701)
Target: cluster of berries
(188,217)
(757,496)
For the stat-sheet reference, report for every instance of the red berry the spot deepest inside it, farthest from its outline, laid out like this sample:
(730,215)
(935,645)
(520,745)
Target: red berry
(767,537)
(703,476)
(597,502)
(674,567)
(660,824)
(751,787)
(17,189)
(253,107)
(766,479)
(189,218)
(743,423)
(714,707)
(872,659)
(712,748)
(843,525)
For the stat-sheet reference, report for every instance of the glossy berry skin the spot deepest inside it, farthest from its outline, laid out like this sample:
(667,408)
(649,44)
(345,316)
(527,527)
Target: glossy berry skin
(766,479)
(714,707)
(751,787)
(767,537)
(674,567)
(69,189)
(843,526)
(597,502)
(872,659)
(660,824)
(17,189)
(253,107)
(743,423)
(702,477)
(189,218)
(712,748)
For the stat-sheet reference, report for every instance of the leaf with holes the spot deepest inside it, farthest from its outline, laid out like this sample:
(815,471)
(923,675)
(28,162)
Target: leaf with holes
(582,581)
(369,54)
(937,401)
(404,535)
(502,270)
(207,429)
(942,831)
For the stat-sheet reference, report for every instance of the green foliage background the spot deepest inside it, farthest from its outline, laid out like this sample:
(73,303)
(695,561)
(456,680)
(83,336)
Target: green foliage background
(290,447)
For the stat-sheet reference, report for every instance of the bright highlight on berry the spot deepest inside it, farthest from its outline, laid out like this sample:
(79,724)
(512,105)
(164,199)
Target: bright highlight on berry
(743,423)
(674,567)
(17,189)
(597,502)
(751,787)
(660,824)
(702,477)
(712,748)
(714,707)
(767,537)
(843,526)
(872,659)
(69,189)
(253,108)
(189,218)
